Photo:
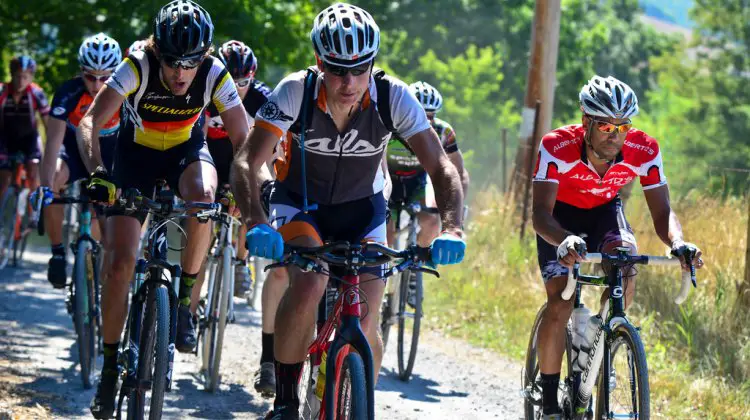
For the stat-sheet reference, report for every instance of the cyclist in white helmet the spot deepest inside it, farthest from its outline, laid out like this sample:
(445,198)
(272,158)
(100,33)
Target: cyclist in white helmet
(579,172)
(346,140)
(62,165)
(137,45)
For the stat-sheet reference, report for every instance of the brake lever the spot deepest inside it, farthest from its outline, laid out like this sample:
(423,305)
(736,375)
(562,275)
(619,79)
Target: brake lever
(426,270)
(276,265)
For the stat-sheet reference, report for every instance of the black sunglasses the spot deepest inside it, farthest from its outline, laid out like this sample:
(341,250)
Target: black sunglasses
(340,71)
(185,63)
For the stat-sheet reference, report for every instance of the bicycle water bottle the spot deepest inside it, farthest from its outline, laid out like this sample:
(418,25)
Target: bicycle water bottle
(590,358)
(592,327)
(580,322)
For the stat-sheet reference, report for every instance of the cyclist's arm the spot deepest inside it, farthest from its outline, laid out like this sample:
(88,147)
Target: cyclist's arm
(444,176)
(665,220)
(544,195)
(244,178)
(55,134)
(458,161)
(106,104)
(235,122)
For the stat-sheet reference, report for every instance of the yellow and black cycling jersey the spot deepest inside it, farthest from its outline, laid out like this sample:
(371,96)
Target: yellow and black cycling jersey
(155,118)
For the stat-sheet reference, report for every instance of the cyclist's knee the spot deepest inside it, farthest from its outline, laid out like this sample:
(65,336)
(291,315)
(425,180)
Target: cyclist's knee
(121,263)
(277,275)
(307,288)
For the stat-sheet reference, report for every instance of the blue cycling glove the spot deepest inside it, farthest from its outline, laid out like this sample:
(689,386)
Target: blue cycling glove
(448,249)
(264,241)
(42,193)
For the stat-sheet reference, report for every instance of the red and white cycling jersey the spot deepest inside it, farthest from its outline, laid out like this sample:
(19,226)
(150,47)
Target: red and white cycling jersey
(562,159)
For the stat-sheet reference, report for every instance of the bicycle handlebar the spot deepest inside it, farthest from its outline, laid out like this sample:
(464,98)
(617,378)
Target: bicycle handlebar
(594,258)
(133,201)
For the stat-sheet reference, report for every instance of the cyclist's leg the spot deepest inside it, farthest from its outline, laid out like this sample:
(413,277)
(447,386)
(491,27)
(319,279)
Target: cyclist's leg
(613,231)
(53,222)
(5,175)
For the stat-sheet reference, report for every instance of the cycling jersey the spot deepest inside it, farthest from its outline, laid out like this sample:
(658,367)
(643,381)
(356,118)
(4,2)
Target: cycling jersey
(341,167)
(157,119)
(562,159)
(18,121)
(401,160)
(70,103)
(257,95)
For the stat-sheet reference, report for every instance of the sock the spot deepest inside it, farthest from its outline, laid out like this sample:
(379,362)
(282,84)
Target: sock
(550,384)
(58,249)
(186,288)
(266,355)
(287,377)
(110,356)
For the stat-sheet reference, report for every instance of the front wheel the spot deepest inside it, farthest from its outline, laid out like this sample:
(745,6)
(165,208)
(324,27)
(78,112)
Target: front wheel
(623,388)
(409,321)
(217,319)
(351,392)
(84,312)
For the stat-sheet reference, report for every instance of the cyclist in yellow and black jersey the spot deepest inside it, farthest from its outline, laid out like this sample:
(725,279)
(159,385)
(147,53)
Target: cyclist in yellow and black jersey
(163,92)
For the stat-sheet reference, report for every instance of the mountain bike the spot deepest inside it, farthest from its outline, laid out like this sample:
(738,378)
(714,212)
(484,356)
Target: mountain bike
(83,291)
(616,349)
(340,351)
(216,310)
(16,214)
(147,355)
(401,305)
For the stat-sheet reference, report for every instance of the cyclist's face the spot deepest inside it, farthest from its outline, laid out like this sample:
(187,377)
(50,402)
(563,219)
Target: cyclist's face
(178,80)
(21,79)
(606,145)
(94,80)
(347,90)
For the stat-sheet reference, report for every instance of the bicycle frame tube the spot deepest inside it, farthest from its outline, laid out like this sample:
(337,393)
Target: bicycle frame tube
(349,334)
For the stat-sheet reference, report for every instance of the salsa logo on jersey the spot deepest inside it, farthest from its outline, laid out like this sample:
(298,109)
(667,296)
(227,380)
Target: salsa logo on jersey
(348,145)
(271,112)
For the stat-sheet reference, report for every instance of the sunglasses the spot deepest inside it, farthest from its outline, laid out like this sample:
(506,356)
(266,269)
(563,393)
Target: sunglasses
(180,62)
(94,78)
(340,71)
(243,82)
(608,127)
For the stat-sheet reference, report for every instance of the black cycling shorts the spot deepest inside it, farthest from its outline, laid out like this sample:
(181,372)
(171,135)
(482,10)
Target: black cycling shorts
(29,146)
(222,154)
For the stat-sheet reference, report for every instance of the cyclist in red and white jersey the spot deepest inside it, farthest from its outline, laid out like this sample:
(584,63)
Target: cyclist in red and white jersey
(20,100)
(580,169)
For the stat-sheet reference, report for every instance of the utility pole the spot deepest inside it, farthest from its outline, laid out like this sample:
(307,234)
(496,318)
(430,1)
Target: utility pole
(744,288)
(541,80)
(505,160)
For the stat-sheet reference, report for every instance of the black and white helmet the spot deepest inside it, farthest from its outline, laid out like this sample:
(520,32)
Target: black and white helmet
(183,29)
(345,35)
(239,59)
(99,52)
(608,98)
(429,97)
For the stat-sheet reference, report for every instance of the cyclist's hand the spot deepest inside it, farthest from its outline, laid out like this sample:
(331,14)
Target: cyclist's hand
(681,248)
(264,241)
(42,193)
(448,248)
(101,188)
(571,250)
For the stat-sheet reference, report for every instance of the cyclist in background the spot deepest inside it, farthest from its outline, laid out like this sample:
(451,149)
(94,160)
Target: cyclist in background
(164,92)
(580,169)
(137,45)
(62,164)
(344,178)
(20,100)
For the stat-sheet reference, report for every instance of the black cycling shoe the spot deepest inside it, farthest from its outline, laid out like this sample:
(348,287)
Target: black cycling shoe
(186,340)
(57,274)
(286,412)
(103,404)
(265,380)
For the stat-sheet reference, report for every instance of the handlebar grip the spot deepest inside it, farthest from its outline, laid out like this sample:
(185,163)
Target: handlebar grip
(423,254)
(682,294)
(40,222)
(570,287)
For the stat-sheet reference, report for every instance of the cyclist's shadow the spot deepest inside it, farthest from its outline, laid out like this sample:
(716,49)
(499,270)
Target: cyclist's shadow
(191,399)
(417,389)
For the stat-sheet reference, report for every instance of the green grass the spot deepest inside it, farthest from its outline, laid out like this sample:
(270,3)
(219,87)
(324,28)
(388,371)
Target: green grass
(698,353)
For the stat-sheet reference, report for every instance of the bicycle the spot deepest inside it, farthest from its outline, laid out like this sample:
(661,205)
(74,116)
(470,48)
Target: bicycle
(396,297)
(612,335)
(216,310)
(343,356)
(83,300)
(16,215)
(147,355)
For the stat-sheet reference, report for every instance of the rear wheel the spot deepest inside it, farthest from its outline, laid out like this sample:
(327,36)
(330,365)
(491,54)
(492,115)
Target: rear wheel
(7,225)
(351,392)
(409,321)
(217,319)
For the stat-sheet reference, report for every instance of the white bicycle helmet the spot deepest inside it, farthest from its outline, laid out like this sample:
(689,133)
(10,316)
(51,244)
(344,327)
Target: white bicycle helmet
(429,97)
(345,35)
(139,45)
(99,52)
(608,98)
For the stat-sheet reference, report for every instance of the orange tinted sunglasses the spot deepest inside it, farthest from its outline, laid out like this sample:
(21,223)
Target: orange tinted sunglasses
(608,127)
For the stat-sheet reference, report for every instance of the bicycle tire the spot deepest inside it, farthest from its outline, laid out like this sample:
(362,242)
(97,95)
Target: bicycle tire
(309,406)
(211,271)
(626,334)
(221,298)
(532,392)
(19,245)
(7,225)
(406,360)
(85,326)
(351,392)
(154,345)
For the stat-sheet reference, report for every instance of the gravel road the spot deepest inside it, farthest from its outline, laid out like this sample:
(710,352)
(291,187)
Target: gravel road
(39,375)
